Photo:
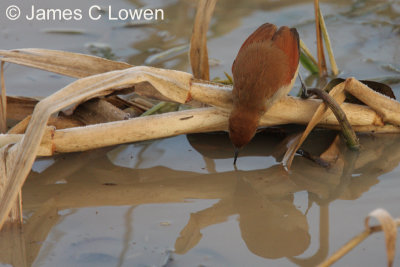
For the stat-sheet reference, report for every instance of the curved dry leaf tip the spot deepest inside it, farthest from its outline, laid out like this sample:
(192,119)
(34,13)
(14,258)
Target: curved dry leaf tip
(389,228)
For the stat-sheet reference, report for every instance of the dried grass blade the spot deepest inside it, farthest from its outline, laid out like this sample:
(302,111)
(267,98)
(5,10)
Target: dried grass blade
(65,63)
(138,129)
(198,42)
(327,40)
(320,45)
(3,102)
(387,107)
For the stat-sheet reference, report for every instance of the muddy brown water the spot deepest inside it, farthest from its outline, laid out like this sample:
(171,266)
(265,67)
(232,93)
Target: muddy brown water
(179,201)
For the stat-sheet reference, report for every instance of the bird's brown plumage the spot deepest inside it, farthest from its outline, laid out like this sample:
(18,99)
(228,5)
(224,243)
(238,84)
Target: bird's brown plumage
(263,72)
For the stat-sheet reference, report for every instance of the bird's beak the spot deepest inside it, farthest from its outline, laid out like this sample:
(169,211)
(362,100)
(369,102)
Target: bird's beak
(236,149)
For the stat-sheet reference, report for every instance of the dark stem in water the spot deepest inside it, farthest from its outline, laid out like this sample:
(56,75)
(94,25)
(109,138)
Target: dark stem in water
(347,130)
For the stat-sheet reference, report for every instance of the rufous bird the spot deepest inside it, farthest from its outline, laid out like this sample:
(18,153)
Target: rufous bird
(264,71)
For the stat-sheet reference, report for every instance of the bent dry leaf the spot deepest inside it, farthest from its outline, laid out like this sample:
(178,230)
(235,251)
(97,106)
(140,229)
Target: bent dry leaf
(387,224)
(387,107)
(389,227)
(381,88)
(378,87)
(61,62)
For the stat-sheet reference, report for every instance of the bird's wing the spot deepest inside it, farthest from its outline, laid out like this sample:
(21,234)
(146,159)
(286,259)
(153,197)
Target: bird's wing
(287,40)
(264,33)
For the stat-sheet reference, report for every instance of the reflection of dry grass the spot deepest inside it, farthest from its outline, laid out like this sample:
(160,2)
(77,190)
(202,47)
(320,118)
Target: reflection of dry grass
(85,175)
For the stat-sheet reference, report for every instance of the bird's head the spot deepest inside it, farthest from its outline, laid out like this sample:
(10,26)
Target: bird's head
(242,127)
